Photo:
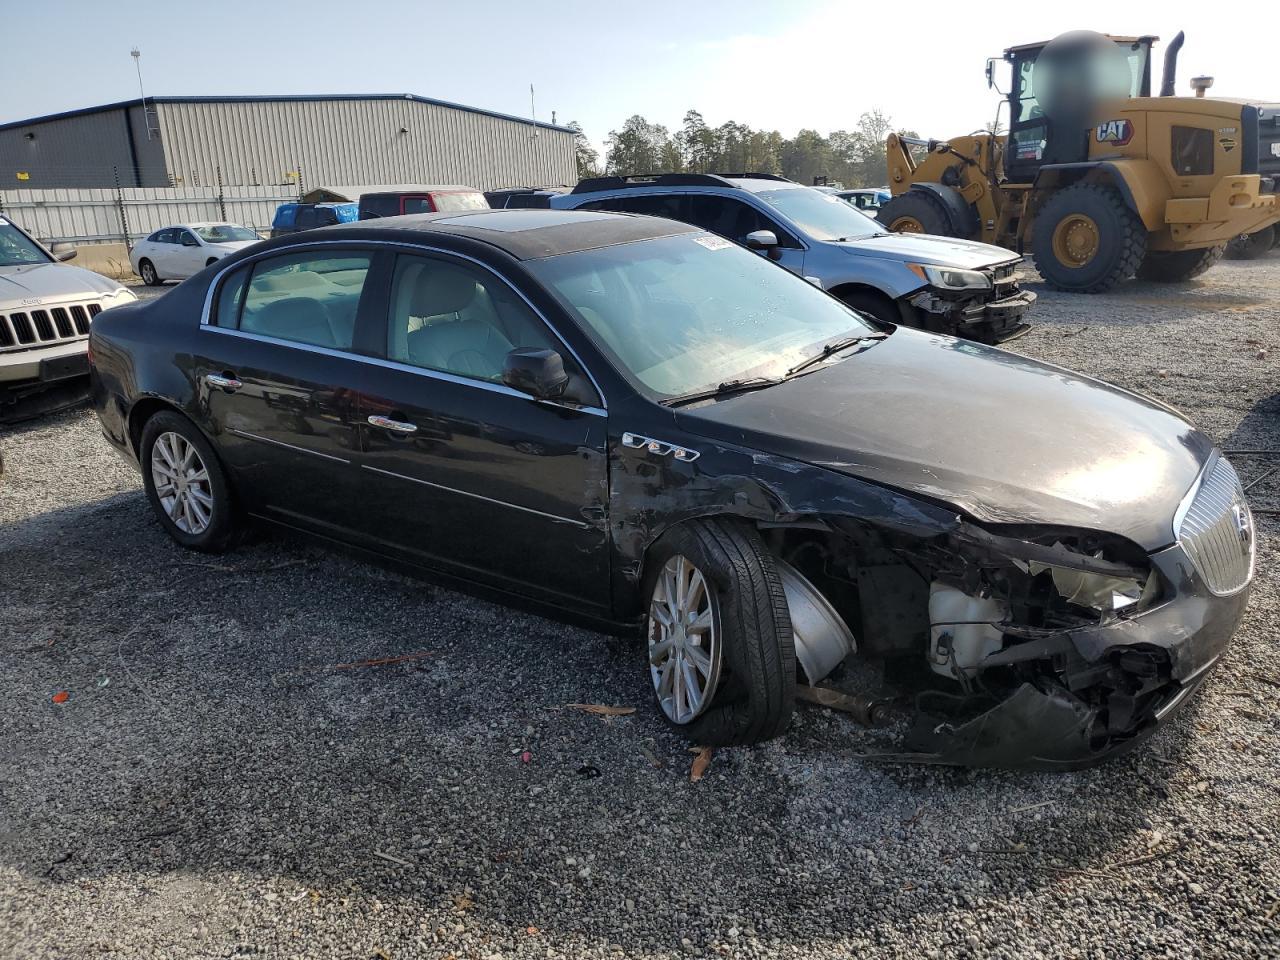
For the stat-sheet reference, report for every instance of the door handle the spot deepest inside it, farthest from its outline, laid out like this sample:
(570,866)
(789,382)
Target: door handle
(222,382)
(399,426)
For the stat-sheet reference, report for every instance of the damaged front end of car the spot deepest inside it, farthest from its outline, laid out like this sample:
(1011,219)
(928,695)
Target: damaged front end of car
(1025,646)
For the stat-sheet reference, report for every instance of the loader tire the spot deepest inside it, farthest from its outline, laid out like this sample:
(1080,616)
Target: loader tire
(916,212)
(1087,240)
(1179,265)
(1251,246)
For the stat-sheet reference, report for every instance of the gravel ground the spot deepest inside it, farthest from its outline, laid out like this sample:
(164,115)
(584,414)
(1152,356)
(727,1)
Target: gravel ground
(220,784)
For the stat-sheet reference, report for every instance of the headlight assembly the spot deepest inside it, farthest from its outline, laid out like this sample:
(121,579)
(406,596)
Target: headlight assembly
(950,278)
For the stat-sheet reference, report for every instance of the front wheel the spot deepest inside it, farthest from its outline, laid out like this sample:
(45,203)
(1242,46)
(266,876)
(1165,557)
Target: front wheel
(147,270)
(1086,239)
(721,652)
(186,484)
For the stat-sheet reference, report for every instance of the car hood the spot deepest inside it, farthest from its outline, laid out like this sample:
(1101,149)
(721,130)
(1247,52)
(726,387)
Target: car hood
(926,248)
(1002,438)
(51,282)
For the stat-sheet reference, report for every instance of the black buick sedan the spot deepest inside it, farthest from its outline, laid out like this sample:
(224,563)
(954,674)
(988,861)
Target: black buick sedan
(626,420)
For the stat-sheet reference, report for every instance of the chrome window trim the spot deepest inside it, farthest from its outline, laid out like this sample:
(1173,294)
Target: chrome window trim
(467,493)
(287,446)
(217,280)
(489,385)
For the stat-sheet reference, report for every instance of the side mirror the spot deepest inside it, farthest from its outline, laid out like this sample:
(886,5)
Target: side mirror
(765,240)
(536,371)
(991,72)
(189,241)
(63,251)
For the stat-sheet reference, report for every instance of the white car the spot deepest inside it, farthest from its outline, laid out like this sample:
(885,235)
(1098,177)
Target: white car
(45,311)
(183,250)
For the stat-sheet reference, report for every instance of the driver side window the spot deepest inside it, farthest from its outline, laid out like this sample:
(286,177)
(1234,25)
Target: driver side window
(450,316)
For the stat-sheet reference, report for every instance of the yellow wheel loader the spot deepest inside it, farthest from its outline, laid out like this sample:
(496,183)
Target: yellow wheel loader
(1096,178)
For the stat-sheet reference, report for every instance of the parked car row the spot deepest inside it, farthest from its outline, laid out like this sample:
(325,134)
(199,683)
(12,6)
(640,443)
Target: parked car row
(646,425)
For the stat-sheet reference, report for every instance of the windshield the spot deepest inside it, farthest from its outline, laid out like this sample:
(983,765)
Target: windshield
(226,233)
(823,216)
(687,313)
(16,248)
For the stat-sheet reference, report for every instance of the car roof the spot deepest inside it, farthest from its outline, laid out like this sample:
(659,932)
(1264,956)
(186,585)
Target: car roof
(524,234)
(425,188)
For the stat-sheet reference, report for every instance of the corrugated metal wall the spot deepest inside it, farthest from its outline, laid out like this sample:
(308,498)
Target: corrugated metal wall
(358,141)
(94,216)
(89,150)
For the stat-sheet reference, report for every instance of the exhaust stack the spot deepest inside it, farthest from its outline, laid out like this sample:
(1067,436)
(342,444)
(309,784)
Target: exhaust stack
(1171,65)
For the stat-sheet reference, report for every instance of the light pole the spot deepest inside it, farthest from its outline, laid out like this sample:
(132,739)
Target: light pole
(137,62)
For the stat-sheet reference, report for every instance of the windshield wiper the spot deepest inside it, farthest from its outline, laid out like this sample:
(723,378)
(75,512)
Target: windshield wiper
(741,385)
(830,350)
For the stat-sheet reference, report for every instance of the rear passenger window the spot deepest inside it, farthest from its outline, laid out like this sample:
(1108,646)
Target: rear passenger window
(306,298)
(672,206)
(231,299)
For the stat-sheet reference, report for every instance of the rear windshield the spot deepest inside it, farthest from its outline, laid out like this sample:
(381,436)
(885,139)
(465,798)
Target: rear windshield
(823,216)
(460,201)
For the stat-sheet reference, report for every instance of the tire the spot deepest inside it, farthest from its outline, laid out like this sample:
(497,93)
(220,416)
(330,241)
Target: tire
(923,211)
(223,527)
(875,304)
(1179,265)
(1251,246)
(750,647)
(147,270)
(1119,239)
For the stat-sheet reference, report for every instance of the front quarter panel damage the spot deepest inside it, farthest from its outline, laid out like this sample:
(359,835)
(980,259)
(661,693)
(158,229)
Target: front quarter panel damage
(1067,686)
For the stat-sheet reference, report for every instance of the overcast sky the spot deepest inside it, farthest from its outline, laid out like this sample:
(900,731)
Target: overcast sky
(784,65)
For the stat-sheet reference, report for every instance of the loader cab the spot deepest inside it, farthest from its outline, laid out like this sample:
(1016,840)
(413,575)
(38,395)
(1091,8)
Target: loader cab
(1044,126)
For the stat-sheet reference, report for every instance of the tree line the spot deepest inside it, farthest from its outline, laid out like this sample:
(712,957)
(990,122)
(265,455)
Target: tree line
(855,158)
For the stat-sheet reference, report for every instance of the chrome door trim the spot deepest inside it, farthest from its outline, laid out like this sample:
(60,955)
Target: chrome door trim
(408,368)
(408,247)
(467,493)
(386,423)
(287,446)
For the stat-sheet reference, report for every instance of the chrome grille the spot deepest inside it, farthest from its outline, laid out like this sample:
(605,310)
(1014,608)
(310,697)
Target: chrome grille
(1215,529)
(27,329)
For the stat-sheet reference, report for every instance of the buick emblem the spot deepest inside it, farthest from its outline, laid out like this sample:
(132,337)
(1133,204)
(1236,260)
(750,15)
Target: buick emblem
(1243,528)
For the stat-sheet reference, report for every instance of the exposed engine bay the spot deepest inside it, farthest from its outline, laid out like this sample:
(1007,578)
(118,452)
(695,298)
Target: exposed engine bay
(982,636)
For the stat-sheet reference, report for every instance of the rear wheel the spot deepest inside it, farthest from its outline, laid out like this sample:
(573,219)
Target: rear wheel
(1086,240)
(147,270)
(1178,265)
(1250,246)
(721,652)
(915,212)
(186,484)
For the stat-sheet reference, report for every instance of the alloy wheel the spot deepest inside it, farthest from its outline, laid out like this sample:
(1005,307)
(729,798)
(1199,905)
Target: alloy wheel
(684,640)
(182,483)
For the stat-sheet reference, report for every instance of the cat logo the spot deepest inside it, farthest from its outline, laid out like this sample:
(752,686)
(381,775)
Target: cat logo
(1115,132)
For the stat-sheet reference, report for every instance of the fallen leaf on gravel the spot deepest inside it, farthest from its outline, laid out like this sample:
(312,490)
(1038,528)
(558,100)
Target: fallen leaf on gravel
(531,931)
(600,710)
(61,696)
(463,901)
(652,757)
(700,764)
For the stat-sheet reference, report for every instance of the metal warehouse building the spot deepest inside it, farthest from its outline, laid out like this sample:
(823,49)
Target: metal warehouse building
(303,141)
